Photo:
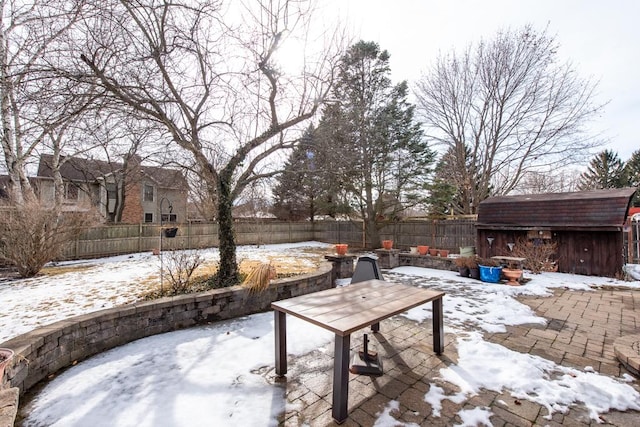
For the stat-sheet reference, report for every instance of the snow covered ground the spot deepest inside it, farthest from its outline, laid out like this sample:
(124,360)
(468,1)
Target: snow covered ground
(215,373)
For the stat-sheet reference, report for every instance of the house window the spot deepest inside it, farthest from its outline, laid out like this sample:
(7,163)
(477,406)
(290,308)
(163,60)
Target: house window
(148,193)
(148,217)
(71,192)
(169,217)
(112,191)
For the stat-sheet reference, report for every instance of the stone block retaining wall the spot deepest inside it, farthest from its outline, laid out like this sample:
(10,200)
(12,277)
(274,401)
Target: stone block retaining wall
(394,258)
(46,350)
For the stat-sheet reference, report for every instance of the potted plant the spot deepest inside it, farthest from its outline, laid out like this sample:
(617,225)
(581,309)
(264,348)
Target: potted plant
(472,264)
(463,268)
(444,253)
(6,354)
(512,275)
(170,232)
(433,252)
(423,249)
(387,244)
(341,248)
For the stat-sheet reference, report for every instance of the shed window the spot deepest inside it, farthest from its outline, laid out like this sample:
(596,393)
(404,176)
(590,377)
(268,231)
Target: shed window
(148,193)
(148,217)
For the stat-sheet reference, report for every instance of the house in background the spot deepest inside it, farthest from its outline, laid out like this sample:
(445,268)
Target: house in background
(127,193)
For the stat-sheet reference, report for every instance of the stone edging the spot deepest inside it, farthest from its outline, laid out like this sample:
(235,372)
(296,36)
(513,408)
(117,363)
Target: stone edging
(46,350)
(627,350)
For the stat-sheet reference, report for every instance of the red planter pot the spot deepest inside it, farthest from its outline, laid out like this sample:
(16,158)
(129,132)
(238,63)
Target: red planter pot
(387,244)
(341,248)
(422,250)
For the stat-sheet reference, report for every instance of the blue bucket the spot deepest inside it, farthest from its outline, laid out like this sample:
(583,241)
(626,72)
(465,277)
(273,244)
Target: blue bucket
(490,274)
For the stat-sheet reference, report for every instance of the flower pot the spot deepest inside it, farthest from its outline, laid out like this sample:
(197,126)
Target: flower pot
(464,271)
(155,251)
(474,273)
(512,275)
(6,354)
(341,248)
(433,252)
(444,253)
(170,232)
(387,244)
(413,250)
(490,274)
(422,250)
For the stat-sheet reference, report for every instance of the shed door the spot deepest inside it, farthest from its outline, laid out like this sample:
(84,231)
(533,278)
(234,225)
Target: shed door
(584,256)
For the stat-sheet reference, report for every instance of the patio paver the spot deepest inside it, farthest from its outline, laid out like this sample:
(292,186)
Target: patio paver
(580,331)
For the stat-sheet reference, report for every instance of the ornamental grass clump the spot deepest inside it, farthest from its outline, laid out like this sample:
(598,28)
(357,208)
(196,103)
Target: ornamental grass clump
(259,278)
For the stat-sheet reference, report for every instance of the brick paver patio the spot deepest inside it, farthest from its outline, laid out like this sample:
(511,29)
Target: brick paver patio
(580,330)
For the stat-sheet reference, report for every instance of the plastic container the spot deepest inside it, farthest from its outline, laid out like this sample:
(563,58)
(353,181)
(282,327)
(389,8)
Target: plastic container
(490,274)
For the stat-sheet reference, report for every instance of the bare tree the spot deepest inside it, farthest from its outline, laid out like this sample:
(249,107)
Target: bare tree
(32,104)
(206,72)
(550,181)
(511,106)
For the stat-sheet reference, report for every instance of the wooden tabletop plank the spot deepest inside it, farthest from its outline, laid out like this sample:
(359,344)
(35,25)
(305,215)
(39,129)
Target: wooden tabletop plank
(347,309)
(345,293)
(318,306)
(345,321)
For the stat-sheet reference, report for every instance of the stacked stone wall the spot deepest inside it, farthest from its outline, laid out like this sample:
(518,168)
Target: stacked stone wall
(46,350)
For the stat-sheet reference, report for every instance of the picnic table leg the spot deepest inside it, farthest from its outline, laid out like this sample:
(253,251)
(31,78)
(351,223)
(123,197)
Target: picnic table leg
(341,378)
(375,327)
(438,326)
(281,342)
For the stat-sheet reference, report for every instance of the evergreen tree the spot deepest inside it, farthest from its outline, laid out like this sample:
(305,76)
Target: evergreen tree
(632,175)
(378,152)
(297,187)
(453,187)
(605,170)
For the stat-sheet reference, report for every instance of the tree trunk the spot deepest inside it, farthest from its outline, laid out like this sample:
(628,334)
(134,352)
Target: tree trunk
(228,269)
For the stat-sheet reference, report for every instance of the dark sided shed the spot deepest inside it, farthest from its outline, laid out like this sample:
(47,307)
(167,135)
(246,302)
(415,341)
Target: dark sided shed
(586,225)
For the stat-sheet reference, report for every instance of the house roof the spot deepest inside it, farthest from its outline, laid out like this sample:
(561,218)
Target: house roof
(76,168)
(596,209)
(89,170)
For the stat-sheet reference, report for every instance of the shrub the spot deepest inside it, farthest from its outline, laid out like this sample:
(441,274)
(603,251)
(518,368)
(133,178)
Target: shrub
(34,234)
(466,261)
(538,254)
(489,262)
(178,267)
(260,278)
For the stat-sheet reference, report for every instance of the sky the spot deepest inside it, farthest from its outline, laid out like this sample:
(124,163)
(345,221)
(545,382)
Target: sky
(600,38)
(200,384)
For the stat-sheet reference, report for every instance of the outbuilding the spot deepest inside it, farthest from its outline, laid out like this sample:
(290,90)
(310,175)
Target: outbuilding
(587,227)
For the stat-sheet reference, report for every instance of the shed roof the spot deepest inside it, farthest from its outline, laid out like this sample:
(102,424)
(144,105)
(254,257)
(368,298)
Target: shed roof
(596,209)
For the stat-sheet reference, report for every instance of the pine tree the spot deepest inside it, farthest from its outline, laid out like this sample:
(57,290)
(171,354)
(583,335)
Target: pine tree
(632,175)
(380,156)
(296,190)
(605,170)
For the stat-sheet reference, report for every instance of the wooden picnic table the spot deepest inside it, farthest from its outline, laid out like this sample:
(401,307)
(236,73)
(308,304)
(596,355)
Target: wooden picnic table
(345,310)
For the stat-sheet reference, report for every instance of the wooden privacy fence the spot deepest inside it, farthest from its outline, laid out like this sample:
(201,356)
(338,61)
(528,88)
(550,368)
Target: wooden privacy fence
(448,234)
(130,238)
